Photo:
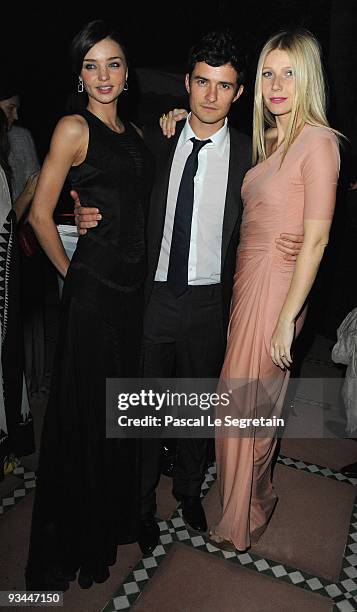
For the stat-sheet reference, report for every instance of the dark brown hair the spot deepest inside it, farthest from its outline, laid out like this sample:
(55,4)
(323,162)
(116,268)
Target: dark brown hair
(92,33)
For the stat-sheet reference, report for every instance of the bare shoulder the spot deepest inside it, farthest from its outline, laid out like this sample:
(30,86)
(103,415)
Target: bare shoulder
(72,126)
(70,139)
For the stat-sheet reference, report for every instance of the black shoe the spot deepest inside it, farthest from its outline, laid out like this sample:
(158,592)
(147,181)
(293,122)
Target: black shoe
(193,512)
(350,470)
(49,580)
(85,580)
(149,534)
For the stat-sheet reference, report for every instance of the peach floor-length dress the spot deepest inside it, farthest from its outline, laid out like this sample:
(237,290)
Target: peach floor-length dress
(276,200)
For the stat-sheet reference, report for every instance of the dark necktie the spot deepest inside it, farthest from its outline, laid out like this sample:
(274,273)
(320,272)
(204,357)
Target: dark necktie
(177,275)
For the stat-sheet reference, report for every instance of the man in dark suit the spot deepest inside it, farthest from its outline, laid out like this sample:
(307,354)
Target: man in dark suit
(193,232)
(185,327)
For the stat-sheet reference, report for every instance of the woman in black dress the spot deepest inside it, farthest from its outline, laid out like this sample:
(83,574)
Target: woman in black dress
(87,496)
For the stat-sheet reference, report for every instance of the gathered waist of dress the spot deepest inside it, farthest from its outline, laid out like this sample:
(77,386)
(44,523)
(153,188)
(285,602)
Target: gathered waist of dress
(256,243)
(256,239)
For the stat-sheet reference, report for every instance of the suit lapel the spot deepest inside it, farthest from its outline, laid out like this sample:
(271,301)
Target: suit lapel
(233,204)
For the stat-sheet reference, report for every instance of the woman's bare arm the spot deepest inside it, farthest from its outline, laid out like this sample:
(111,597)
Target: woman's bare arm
(320,172)
(68,146)
(316,234)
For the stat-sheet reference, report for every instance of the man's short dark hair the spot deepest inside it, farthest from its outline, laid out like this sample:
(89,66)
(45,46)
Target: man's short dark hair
(217,48)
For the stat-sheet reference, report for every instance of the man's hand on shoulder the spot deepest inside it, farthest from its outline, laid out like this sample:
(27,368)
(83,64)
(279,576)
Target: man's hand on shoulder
(85,217)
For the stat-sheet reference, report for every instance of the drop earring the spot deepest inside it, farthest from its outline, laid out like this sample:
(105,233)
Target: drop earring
(80,87)
(126,86)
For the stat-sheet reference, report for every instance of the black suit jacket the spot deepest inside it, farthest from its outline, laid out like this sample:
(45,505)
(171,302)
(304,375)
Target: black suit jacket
(163,150)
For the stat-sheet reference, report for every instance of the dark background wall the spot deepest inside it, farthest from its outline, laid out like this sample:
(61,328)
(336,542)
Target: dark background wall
(34,45)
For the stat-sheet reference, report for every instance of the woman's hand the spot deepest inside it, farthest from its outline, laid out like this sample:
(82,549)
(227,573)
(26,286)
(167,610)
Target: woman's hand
(280,343)
(168,121)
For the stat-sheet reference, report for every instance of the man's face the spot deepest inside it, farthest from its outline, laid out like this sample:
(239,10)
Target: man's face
(10,108)
(212,90)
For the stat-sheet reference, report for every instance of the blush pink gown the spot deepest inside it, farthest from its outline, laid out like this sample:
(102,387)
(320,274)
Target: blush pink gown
(276,200)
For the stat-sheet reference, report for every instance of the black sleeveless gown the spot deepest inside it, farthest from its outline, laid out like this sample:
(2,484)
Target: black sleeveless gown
(87,495)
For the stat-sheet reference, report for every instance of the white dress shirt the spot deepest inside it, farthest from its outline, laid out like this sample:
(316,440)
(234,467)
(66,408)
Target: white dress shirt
(210,187)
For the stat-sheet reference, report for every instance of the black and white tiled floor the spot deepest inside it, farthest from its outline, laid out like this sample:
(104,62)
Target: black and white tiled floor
(343,593)
(26,483)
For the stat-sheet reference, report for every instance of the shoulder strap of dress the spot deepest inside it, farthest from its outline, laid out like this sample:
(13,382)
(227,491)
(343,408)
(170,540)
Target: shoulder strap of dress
(135,128)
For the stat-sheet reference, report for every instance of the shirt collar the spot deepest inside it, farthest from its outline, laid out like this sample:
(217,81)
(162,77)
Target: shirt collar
(219,139)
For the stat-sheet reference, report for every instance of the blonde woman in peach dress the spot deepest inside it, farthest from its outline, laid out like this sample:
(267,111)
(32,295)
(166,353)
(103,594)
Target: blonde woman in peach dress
(291,188)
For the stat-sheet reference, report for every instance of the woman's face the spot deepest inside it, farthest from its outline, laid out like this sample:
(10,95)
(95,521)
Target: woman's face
(278,83)
(10,108)
(104,71)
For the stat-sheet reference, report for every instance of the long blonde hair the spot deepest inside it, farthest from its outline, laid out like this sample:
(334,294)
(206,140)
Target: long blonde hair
(309,105)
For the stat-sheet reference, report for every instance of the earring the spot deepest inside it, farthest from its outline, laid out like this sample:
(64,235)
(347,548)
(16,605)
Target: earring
(80,86)
(126,86)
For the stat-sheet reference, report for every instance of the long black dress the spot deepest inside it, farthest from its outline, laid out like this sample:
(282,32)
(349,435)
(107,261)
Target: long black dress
(87,495)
